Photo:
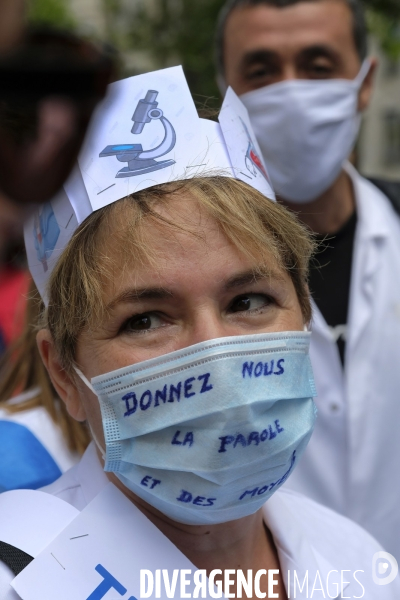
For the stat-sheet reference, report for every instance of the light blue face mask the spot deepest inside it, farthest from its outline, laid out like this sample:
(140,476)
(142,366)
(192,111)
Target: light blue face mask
(208,433)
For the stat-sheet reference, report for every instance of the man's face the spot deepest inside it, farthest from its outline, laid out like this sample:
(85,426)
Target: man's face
(11,23)
(308,40)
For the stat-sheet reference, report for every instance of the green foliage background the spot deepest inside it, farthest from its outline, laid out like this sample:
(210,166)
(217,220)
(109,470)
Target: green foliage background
(52,12)
(174,31)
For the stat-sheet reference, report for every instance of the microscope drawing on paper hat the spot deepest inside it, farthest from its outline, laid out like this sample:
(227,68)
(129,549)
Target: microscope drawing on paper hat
(252,159)
(143,161)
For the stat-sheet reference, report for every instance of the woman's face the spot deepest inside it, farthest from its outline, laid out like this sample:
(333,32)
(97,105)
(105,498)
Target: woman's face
(200,288)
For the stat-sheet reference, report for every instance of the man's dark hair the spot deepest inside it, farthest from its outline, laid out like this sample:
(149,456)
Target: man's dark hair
(355,6)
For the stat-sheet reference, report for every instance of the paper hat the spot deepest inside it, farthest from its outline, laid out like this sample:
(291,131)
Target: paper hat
(146,132)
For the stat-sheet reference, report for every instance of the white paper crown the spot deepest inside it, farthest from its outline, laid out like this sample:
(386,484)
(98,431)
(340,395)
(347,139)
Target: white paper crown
(146,132)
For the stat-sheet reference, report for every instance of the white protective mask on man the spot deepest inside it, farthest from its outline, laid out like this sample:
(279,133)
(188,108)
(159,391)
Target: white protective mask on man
(206,434)
(306,129)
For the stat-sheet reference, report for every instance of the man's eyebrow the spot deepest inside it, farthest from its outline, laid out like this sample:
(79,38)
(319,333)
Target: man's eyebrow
(253,276)
(319,50)
(132,295)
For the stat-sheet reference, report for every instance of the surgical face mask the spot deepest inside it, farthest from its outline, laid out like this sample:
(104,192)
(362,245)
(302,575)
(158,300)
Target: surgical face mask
(306,130)
(206,434)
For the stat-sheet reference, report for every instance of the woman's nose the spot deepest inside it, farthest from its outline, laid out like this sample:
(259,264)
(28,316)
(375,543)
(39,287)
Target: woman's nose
(208,325)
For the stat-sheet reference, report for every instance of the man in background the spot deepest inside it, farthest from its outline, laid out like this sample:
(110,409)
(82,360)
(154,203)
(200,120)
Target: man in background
(301,69)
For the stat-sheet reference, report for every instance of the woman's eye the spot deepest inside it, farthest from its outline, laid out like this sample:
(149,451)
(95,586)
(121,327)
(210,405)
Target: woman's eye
(249,302)
(142,322)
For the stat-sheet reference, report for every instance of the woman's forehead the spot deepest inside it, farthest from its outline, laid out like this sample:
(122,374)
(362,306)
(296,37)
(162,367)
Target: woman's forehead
(181,222)
(190,247)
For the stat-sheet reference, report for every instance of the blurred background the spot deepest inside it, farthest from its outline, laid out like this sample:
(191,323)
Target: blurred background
(152,34)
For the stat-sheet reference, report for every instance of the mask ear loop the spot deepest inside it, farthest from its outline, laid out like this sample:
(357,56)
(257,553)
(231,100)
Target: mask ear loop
(91,388)
(99,446)
(84,379)
(363,72)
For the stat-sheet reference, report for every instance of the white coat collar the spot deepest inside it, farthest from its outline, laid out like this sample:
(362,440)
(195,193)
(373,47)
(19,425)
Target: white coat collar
(90,474)
(296,554)
(373,217)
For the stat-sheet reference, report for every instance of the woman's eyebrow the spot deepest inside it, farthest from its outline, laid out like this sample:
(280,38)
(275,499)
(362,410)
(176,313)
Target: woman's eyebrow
(132,295)
(253,276)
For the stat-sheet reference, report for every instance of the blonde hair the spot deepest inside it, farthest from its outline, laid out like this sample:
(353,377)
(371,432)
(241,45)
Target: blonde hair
(22,370)
(254,225)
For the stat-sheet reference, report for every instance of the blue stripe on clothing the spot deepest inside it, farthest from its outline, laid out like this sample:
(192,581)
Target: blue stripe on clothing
(24,461)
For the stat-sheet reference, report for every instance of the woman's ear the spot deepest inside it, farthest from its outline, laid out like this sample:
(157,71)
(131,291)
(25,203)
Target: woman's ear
(61,380)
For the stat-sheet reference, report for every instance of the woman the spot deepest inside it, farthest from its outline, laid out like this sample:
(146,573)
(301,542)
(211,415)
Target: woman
(168,268)
(185,304)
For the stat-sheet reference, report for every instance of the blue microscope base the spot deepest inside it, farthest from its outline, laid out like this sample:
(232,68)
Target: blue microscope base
(138,170)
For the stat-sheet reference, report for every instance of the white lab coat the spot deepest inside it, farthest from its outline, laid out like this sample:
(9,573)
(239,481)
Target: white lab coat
(352,461)
(308,537)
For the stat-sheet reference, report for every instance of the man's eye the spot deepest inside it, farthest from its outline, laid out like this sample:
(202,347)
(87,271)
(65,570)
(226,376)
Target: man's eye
(142,322)
(320,70)
(249,302)
(257,72)
(260,72)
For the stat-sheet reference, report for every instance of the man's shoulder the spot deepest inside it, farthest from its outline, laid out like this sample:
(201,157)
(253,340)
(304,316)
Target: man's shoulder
(391,189)
(378,194)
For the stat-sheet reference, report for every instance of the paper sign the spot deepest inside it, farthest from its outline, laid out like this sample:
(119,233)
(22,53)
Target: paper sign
(100,555)
(47,232)
(40,518)
(145,132)
(244,151)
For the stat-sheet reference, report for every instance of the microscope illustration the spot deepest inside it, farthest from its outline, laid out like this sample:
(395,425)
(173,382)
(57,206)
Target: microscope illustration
(45,233)
(252,160)
(143,161)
